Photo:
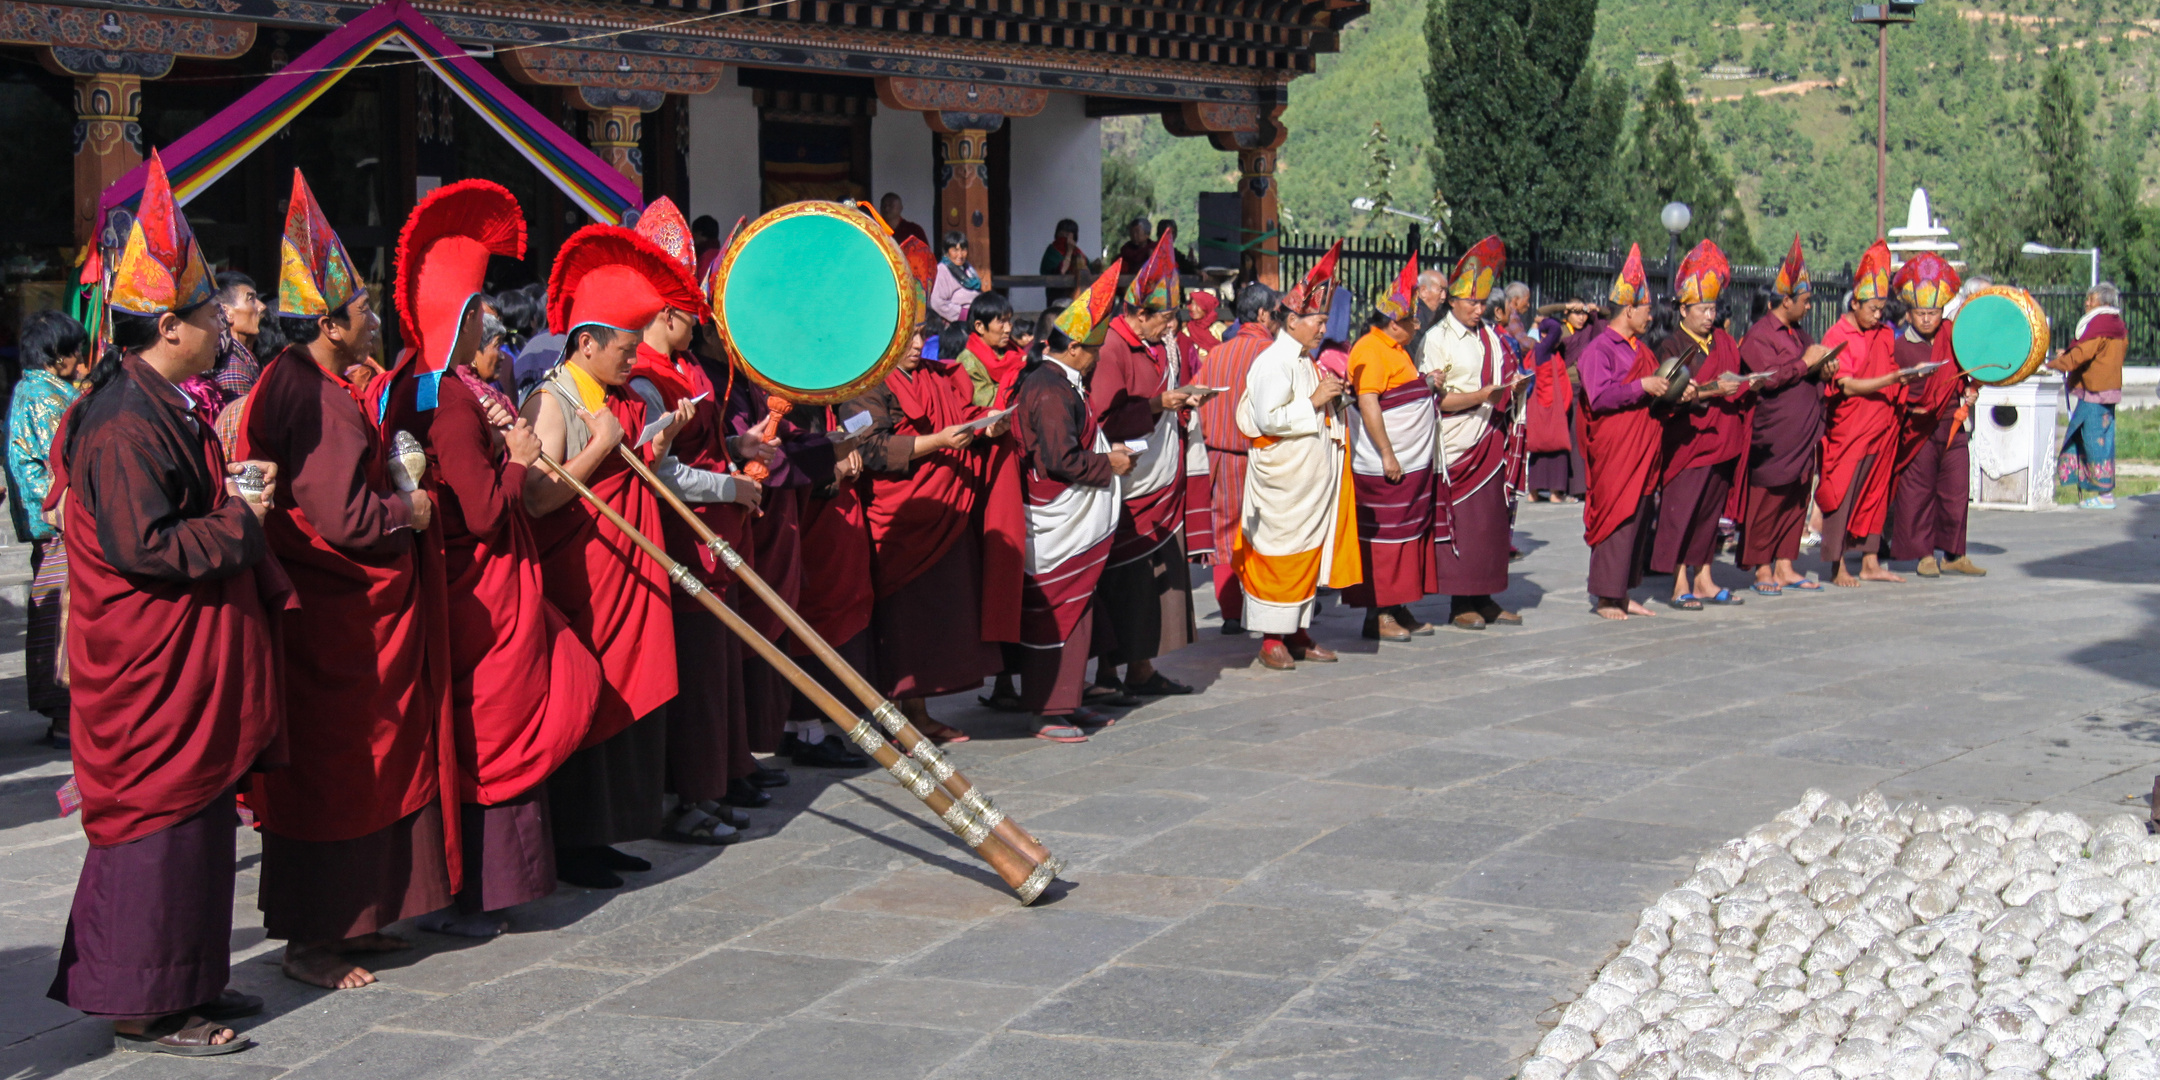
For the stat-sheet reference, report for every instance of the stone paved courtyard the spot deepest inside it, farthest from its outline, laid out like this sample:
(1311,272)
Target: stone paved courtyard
(1382,868)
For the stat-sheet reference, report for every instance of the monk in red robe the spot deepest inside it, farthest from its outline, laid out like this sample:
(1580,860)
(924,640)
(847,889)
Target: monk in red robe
(1933,468)
(1706,441)
(522,686)
(1785,429)
(173,642)
(360,831)
(608,285)
(1860,439)
(1224,368)
(1144,601)
(710,765)
(1477,455)
(927,485)
(1621,441)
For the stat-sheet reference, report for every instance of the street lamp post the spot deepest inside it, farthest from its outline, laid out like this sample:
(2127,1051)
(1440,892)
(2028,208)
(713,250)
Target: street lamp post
(1675,217)
(1881,16)
(2032,248)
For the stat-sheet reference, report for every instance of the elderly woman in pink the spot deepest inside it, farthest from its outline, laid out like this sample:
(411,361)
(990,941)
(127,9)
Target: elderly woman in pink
(957,282)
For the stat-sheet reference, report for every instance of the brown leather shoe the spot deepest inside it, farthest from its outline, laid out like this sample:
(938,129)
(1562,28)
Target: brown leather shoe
(1305,648)
(1468,620)
(1963,564)
(1503,617)
(1275,656)
(1928,568)
(1383,627)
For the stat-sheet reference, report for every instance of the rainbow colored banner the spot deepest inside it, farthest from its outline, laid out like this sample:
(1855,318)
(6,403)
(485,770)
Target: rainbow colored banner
(208,152)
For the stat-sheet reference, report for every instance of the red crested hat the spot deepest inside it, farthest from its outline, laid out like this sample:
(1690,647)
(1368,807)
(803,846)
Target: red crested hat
(663,223)
(1312,295)
(1792,275)
(1477,270)
(1400,299)
(1632,286)
(1703,274)
(161,268)
(442,258)
(1926,281)
(1154,285)
(1871,279)
(609,276)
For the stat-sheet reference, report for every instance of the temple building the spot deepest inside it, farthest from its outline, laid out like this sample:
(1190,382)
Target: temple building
(981,114)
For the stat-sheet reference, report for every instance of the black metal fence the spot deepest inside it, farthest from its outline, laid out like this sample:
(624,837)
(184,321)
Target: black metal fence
(1369,264)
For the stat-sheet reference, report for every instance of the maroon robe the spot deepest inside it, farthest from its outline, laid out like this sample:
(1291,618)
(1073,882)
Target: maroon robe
(367,691)
(1622,447)
(1226,365)
(1784,436)
(1145,594)
(522,686)
(174,645)
(1056,432)
(1705,447)
(802,459)
(1934,482)
(1471,514)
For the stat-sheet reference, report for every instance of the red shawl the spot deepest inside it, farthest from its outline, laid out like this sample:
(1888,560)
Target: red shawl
(916,517)
(522,686)
(1545,424)
(367,691)
(1127,374)
(1929,399)
(1621,450)
(1003,367)
(701,444)
(176,658)
(1713,431)
(836,600)
(1860,426)
(615,596)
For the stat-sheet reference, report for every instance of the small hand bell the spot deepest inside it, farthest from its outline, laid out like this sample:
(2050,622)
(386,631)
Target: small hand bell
(408,463)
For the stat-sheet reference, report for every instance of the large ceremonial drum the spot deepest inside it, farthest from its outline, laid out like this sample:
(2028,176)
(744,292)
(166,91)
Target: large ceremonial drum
(816,301)
(2000,335)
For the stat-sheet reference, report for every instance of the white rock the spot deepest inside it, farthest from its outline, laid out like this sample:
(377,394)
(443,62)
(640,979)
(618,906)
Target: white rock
(2083,1065)
(2074,1033)
(1773,833)
(1750,914)
(1911,1063)
(1719,1042)
(1621,1054)
(1701,1066)
(2084,896)
(1540,1067)
(2010,1021)
(2134,1066)
(2123,1041)
(1812,1051)
(1957,1067)
(2013,1074)
(1771,1071)
(1855,1058)
(1610,994)
(1655,1005)
(1818,1072)
(2059,845)
(2026,886)
(2065,821)
(2027,825)
(1701,1011)
(1583,1013)
(2017,1054)
(1566,1044)
(1972,1043)
(1815,842)
(1653,1067)
(1935,898)
(1591,1069)
(1621,1023)
(1630,973)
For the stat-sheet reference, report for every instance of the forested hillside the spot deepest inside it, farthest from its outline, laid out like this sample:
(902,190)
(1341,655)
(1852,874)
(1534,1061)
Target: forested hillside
(1783,92)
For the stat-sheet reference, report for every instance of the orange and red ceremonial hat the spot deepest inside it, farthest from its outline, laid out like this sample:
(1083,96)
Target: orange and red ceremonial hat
(442,259)
(663,223)
(1632,286)
(1154,285)
(1400,299)
(1087,319)
(161,267)
(1703,274)
(315,276)
(1926,281)
(1871,279)
(1792,275)
(606,275)
(1476,271)
(1312,295)
(922,266)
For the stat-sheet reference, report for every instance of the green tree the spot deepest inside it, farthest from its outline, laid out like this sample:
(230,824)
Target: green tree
(2061,203)
(1500,87)
(1126,194)
(1380,174)
(1666,160)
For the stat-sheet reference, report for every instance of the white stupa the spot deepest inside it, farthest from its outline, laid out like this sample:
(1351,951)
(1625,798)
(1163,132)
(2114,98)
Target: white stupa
(1922,231)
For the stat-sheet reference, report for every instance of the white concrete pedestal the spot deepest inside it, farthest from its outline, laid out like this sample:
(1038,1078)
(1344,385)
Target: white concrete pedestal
(2013,463)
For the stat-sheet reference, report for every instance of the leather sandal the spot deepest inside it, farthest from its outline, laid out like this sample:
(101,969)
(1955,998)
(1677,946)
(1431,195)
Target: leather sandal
(181,1035)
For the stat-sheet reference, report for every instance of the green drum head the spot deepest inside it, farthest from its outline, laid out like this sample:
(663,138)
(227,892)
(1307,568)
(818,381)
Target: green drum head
(1993,338)
(811,304)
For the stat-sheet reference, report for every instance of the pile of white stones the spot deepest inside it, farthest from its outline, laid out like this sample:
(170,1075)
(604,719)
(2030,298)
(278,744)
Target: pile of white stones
(1860,942)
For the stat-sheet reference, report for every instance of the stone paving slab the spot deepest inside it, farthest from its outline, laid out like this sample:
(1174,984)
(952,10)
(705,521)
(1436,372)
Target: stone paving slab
(1386,867)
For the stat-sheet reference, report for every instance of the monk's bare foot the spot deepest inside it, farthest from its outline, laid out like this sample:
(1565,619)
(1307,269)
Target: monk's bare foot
(318,966)
(1845,580)
(1609,609)
(370,943)
(1635,607)
(1878,573)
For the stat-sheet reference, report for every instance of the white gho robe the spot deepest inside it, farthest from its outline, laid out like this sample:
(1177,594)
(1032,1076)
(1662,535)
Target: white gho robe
(1299,526)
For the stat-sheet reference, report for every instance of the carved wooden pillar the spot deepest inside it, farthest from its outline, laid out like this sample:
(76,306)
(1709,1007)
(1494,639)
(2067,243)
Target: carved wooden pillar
(1259,218)
(613,131)
(110,54)
(1254,133)
(963,115)
(108,141)
(964,193)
